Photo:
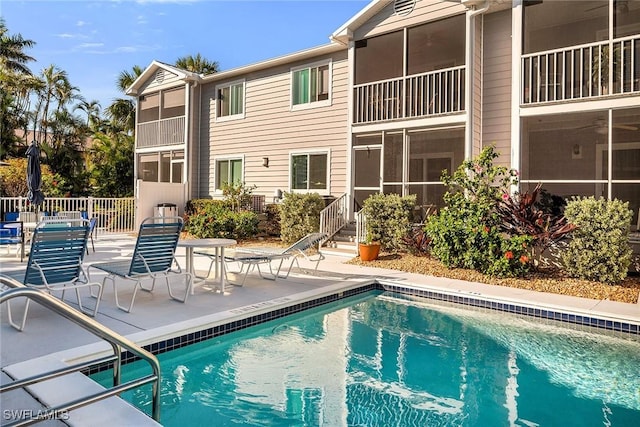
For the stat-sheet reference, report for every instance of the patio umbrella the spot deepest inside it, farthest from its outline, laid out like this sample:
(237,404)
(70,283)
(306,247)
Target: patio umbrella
(34,175)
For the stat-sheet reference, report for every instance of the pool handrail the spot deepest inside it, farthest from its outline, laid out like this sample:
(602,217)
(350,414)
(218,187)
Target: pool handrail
(117,342)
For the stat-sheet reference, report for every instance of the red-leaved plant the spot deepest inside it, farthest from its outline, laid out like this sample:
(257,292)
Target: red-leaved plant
(522,215)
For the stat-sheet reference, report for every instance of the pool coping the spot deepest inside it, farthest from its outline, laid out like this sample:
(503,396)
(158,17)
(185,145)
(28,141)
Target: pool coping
(168,337)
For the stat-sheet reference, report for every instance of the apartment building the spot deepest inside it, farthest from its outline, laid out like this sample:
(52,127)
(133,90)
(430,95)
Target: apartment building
(402,91)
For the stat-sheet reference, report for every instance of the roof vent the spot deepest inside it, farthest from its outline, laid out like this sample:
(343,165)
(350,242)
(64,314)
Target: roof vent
(159,76)
(403,7)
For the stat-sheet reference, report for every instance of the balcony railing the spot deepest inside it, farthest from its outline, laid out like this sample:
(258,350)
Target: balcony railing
(161,132)
(582,72)
(419,95)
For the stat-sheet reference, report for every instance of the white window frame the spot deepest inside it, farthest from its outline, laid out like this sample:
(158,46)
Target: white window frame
(325,191)
(218,88)
(311,104)
(226,158)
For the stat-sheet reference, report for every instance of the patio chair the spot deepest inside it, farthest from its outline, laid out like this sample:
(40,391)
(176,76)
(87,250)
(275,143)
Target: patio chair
(249,257)
(92,229)
(153,258)
(55,263)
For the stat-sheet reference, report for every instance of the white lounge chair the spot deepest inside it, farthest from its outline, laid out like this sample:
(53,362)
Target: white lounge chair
(249,257)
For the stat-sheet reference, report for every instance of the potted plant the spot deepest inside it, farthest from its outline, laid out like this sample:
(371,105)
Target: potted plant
(370,248)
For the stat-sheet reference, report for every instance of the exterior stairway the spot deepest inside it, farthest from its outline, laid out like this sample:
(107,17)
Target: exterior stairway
(343,243)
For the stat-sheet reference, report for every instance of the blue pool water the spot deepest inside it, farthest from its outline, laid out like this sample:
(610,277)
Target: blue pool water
(391,360)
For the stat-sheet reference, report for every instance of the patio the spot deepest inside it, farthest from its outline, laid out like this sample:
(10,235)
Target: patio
(155,316)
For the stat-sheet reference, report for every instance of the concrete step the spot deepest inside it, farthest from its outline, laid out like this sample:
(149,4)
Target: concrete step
(347,252)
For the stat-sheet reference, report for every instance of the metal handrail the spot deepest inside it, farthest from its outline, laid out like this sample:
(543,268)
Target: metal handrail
(116,341)
(335,216)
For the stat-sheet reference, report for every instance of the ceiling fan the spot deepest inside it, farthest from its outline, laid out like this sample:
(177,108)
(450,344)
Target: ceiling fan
(600,126)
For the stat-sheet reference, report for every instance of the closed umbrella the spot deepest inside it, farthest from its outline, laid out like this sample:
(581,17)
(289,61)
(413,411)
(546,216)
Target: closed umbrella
(34,175)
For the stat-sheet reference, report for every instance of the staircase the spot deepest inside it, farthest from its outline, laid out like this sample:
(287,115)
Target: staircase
(343,243)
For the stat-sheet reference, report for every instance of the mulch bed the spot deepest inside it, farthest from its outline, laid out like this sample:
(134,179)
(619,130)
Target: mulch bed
(545,280)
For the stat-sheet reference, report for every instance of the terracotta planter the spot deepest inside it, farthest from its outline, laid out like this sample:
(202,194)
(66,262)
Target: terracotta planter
(369,251)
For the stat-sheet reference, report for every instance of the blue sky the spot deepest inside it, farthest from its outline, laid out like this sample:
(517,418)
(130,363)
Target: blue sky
(95,40)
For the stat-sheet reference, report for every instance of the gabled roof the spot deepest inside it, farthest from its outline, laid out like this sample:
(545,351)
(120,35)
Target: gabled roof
(151,70)
(342,34)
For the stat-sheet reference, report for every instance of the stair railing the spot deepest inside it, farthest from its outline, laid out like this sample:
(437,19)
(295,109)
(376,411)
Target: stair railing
(361,226)
(335,216)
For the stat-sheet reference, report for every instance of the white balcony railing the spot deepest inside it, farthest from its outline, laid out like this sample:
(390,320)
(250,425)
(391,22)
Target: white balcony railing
(419,95)
(161,132)
(584,71)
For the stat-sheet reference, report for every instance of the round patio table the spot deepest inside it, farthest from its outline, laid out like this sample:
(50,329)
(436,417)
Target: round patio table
(218,245)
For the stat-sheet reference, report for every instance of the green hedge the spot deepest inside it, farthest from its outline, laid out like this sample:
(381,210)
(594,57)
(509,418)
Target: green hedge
(388,219)
(599,249)
(299,215)
(206,218)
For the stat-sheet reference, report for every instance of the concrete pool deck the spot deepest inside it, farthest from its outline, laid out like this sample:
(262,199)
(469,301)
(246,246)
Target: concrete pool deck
(155,316)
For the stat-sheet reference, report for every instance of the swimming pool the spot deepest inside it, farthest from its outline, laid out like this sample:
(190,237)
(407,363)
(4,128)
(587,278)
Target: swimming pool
(386,359)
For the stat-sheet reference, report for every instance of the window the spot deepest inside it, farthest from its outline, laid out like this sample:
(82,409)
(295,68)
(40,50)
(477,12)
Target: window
(231,100)
(228,171)
(309,171)
(166,166)
(149,108)
(310,85)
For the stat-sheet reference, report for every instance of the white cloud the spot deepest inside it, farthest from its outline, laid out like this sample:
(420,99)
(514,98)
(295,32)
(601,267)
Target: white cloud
(141,20)
(66,36)
(90,45)
(81,24)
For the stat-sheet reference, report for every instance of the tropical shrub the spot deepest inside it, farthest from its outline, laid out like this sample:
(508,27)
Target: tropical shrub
(299,215)
(207,218)
(417,241)
(521,214)
(238,195)
(467,232)
(599,249)
(388,219)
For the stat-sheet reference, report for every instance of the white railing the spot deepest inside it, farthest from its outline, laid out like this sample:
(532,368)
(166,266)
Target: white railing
(583,71)
(361,227)
(161,132)
(114,215)
(335,216)
(419,95)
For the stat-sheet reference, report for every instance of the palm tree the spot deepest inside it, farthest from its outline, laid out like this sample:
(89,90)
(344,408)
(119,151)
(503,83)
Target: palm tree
(197,64)
(92,110)
(16,84)
(122,114)
(55,83)
(12,56)
(126,78)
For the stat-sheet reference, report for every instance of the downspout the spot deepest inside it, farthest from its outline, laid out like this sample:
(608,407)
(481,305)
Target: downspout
(469,90)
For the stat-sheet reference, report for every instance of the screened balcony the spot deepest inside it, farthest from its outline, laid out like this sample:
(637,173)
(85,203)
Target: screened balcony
(161,118)
(421,95)
(572,52)
(422,73)
(161,132)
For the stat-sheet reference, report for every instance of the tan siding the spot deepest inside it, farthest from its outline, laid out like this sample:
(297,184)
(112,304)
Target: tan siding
(170,80)
(426,10)
(271,129)
(497,84)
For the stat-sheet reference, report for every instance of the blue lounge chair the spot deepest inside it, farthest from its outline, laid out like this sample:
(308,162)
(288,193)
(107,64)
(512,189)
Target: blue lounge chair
(152,258)
(249,257)
(55,263)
